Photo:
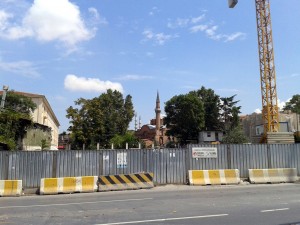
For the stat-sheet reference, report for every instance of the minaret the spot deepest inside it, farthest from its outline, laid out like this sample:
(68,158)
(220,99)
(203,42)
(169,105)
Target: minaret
(135,121)
(157,112)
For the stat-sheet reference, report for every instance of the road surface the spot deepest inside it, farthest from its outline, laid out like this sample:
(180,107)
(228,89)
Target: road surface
(242,204)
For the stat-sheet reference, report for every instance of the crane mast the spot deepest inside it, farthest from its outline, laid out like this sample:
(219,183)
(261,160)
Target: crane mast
(267,67)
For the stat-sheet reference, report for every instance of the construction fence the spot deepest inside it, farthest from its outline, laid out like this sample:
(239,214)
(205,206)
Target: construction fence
(170,166)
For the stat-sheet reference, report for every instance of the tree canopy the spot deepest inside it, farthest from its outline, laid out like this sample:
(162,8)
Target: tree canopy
(99,119)
(235,136)
(15,119)
(211,103)
(293,104)
(229,113)
(185,117)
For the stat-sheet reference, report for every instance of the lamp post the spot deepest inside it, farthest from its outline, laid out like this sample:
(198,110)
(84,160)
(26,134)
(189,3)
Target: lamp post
(5,89)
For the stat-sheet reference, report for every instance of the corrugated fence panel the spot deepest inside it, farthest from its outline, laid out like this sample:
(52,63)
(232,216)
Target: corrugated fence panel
(168,165)
(26,166)
(281,156)
(4,159)
(221,162)
(244,157)
(175,164)
(159,166)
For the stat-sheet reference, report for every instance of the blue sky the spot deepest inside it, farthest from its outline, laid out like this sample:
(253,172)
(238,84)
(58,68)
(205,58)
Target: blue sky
(67,49)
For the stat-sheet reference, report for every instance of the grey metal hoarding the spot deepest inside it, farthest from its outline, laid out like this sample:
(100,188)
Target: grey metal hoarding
(169,166)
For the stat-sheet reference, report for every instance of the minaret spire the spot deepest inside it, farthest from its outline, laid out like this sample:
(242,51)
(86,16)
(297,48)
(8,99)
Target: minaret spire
(157,112)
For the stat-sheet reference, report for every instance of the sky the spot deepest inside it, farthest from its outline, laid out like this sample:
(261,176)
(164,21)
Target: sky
(68,49)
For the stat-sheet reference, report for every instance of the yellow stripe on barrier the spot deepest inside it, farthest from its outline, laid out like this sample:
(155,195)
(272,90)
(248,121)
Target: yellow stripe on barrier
(125,182)
(214,176)
(207,177)
(89,183)
(10,187)
(275,175)
(68,185)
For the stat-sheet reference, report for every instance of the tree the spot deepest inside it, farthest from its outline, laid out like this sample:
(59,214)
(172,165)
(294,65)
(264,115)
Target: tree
(15,119)
(211,103)
(229,113)
(99,119)
(184,117)
(293,104)
(120,141)
(235,136)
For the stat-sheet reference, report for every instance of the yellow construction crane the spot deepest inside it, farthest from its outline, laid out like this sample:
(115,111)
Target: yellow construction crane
(270,114)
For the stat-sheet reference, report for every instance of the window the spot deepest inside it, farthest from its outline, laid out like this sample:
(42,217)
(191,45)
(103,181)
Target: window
(208,134)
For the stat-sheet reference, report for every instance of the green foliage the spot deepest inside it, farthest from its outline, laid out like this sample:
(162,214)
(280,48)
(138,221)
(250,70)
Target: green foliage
(99,119)
(15,119)
(235,136)
(229,113)
(187,115)
(211,103)
(120,141)
(184,117)
(293,104)
(44,144)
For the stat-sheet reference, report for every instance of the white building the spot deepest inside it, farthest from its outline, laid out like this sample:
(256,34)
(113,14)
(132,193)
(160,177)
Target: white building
(42,115)
(210,136)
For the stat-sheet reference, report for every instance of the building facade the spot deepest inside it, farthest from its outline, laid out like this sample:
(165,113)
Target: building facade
(254,129)
(46,125)
(154,134)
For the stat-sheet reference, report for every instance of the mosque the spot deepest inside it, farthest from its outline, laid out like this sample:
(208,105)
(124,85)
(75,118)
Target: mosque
(154,134)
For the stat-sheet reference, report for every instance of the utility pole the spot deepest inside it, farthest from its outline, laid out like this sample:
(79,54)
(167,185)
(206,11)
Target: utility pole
(5,89)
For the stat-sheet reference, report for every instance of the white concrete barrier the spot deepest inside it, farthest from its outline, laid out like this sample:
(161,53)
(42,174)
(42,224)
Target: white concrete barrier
(206,177)
(68,185)
(277,175)
(10,187)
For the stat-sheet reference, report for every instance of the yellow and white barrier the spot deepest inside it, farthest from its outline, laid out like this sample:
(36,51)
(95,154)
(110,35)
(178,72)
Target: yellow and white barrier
(68,185)
(125,182)
(205,177)
(10,187)
(278,175)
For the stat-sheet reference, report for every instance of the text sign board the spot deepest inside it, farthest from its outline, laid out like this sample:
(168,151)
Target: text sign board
(122,160)
(205,152)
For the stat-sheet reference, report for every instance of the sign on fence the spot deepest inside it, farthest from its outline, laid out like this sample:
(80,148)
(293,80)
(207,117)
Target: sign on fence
(204,152)
(122,160)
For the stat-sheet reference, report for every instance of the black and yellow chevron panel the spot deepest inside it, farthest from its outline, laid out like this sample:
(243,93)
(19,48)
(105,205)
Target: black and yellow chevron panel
(125,182)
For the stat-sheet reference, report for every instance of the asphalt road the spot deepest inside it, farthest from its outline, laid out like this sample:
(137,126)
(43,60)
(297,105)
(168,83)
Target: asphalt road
(274,204)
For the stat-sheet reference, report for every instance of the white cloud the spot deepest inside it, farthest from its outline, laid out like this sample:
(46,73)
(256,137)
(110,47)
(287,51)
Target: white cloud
(74,83)
(96,17)
(153,11)
(281,104)
(234,36)
(258,111)
(4,17)
(23,68)
(211,32)
(55,20)
(196,25)
(198,19)
(158,38)
(184,22)
(134,77)
(149,54)
(197,28)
